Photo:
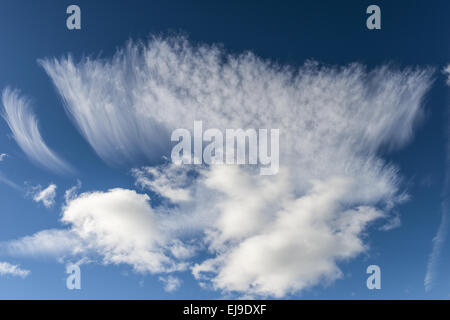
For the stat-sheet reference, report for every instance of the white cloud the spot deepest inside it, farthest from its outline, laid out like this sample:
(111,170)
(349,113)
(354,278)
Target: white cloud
(13,270)
(170,183)
(9,182)
(71,193)
(392,223)
(24,127)
(5,179)
(168,84)
(447,73)
(441,235)
(435,255)
(269,236)
(276,243)
(46,196)
(121,225)
(171,283)
(53,242)
(118,225)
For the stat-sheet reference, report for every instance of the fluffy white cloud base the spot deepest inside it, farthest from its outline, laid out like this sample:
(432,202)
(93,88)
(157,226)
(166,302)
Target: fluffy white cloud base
(118,225)
(269,236)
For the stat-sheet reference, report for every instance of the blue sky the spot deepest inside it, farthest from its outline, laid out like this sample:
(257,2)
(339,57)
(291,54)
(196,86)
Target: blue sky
(282,35)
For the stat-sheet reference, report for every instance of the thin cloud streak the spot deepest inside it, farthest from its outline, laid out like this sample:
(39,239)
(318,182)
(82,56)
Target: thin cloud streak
(20,118)
(441,235)
(5,180)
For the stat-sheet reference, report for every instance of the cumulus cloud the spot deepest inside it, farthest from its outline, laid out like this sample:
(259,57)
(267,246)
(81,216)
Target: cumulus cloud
(14,270)
(22,121)
(265,235)
(293,250)
(119,226)
(46,196)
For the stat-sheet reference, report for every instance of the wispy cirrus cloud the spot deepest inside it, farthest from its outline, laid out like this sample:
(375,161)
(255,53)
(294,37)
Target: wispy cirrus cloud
(13,270)
(441,235)
(268,236)
(9,182)
(22,121)
(3,178)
